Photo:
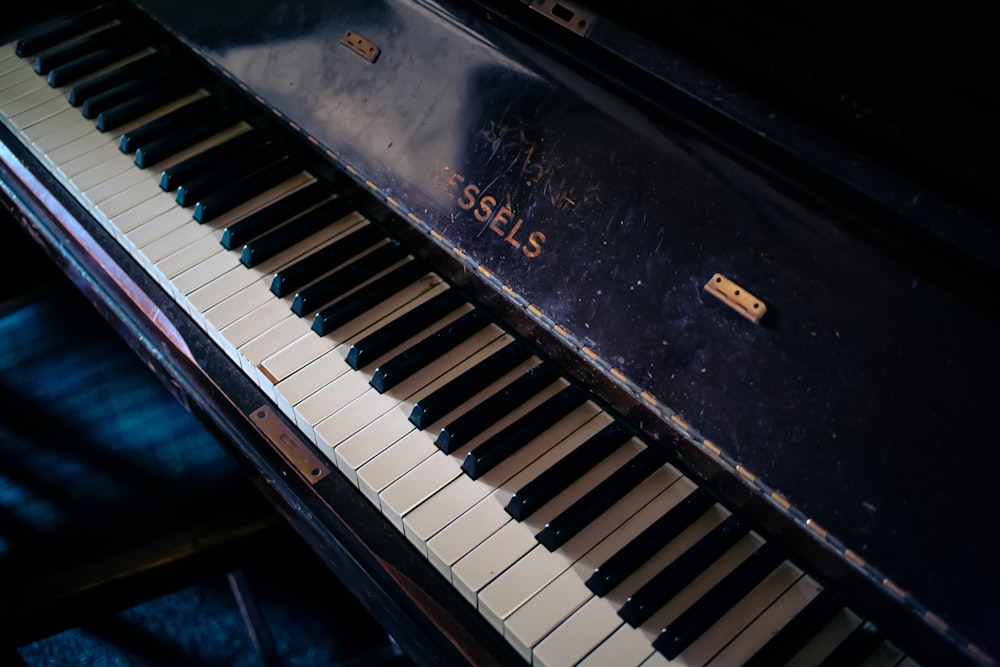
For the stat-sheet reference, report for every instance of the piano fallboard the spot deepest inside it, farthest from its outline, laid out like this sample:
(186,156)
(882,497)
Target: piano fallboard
(849,420)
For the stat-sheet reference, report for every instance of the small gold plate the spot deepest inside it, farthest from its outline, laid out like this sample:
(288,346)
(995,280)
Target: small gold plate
(737,298)
(360,46)
(291,446)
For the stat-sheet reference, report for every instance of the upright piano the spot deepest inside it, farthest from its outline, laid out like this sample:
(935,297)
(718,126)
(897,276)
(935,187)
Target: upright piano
(565,332)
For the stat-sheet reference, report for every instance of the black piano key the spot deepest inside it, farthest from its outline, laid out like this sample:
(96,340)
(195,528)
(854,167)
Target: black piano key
(722,597)
(91,62)
(274,214)
(52,33)
(673,578)
(397,331)
(204,184)
(243,189)
(369,296)
(271,243)
(856,647)
(185,117)
(445,399)
(83,91)
(641,548)
(229,150)
(178,140)
(498,447)
(567,470)
(796,633)
(425,352)
(140,105)
(61,55)
(464,428)
(341,281)
(139,84)
(577,516)
(307,269)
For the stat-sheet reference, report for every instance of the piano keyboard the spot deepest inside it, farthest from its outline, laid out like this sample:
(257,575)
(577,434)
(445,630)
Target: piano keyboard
(572,538)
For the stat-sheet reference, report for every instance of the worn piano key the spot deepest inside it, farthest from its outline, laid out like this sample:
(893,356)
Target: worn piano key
(63,75)
(617,568)
(83,92)
(136,107)
(166,125)
(546,486)
(432,407)
(586,510)
(366,350)
(795,634)
(340,282)
(137,85)
(52,33)
(202,184)
(487,455)
(708,609)
(642,604)
(201,162)
(390,373)
(229,196)
(460,431)
(316,264)
(72,49)
(241,231)
(271,243)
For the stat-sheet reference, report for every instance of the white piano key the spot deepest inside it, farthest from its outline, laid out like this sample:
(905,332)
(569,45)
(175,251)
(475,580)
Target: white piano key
(178,239)
(577,636)
(24,95)
(57,130)
(38,113)
(256,322)
(94,166)
(136,195)
(621,650)
(218,289)
(76,149)
(534,620)
(236,306)
(112,187)
(768,624)
(827,639)
(14,75)
(205,272)
(156,228)
(189,256)
(401,456)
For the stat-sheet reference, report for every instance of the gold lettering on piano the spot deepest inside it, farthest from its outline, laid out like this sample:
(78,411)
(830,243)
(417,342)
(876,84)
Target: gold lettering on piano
(498,215)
